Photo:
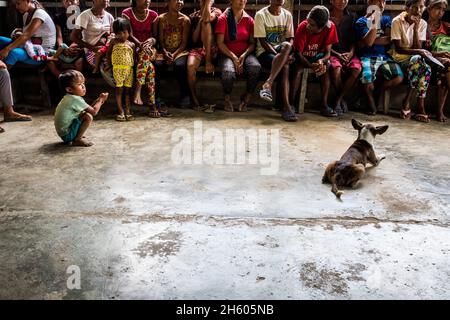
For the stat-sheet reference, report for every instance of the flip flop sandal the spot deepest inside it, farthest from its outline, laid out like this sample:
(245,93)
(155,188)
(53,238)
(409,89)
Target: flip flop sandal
(16,119)
(121,118)
(154,114)
(266,94)
(129,117)
(422,117)
(209,108)
(288,116)
(328,113)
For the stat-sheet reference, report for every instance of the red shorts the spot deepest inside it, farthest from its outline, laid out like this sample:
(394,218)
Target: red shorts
(200,53)
(354,63)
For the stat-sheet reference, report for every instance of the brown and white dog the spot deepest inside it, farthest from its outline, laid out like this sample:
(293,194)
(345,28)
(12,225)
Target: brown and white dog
(351,167)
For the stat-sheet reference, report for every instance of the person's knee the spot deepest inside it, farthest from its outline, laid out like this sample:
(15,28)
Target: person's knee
(87,118)
(286,48)
(369,87)
(228,76)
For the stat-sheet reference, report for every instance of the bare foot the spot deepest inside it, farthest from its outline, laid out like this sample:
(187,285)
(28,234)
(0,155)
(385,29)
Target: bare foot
(245,98)
(138,100)
(228,106)
(82,143)
(441,118)
(15,116)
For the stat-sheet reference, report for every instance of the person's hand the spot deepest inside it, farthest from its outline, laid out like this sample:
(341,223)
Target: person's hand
(103,97)
(236,63)
(346,56)
(168,56)
(371,16)
(241,64)
(290,59)
(4,53)
(416,21)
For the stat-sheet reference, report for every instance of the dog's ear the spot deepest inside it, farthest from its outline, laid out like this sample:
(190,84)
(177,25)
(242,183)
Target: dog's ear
(356,124)
(382,129)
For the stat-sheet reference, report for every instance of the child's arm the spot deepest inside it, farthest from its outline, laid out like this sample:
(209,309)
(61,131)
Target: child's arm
(95,107)
(108,55)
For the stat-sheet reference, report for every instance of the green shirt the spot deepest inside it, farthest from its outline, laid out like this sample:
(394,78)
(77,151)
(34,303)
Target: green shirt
(68,109)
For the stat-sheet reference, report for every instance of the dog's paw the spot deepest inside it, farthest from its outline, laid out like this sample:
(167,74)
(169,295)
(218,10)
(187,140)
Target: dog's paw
(381,157)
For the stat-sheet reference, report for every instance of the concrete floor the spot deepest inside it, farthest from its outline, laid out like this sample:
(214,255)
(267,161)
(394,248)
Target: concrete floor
(139,226)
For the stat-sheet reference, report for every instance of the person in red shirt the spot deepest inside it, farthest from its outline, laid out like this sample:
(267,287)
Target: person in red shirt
(234,35)
(312,45)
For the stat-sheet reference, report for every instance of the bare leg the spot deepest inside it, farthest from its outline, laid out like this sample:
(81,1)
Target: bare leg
(336,80)
(228,105)
(325,86)
(368,88)
(295,84)
(285,89)
(9,114)
(79,140)
(137,94)
(193,64)
(442,97)
(406,101)
(127,100)
(277,64)
(345,89)
(119,91)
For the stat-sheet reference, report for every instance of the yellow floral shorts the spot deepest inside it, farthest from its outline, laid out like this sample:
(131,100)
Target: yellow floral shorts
(123,76)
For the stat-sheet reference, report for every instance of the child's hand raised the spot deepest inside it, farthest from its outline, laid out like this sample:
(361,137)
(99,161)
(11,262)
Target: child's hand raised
(103,97)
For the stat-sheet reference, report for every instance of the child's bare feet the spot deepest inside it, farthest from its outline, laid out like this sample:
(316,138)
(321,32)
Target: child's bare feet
(441,117)
(138,100)
(228,105)
(82,143)
(245,99)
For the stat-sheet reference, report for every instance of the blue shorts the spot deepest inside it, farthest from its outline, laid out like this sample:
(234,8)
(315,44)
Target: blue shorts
(73,131)
(266,58)
(388,67)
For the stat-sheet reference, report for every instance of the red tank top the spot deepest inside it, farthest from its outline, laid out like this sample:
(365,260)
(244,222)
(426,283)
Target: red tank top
(142,29)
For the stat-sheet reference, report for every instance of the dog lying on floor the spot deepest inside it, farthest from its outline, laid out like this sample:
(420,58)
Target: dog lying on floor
(351,167)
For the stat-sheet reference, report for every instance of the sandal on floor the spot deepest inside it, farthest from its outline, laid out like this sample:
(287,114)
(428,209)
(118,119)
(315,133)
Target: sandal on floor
(328,112)
(266,94)
(154,114)
(289,116)
(129,117)
(422,117)
(121,118)
(209,108)
(405,114)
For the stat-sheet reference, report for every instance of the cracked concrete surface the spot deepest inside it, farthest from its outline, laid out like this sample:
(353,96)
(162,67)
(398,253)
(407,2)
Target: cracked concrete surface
(139,226)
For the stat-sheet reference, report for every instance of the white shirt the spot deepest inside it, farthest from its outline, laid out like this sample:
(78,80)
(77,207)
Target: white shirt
(47,31)
(403,31)
(275,29)
(93,28)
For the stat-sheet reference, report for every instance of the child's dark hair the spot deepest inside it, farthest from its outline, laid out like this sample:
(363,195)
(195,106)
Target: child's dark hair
(68,78)
(321,15)
(410,3)
(121,24)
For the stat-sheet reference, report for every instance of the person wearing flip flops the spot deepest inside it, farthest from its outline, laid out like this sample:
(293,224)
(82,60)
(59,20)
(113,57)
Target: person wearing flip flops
(440,46)
(373,32)
(73,115)
(6,98)
(121,57)
(409,33)
(234,35)
(204,49)
(345,66)
(274,31)
(312,46)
